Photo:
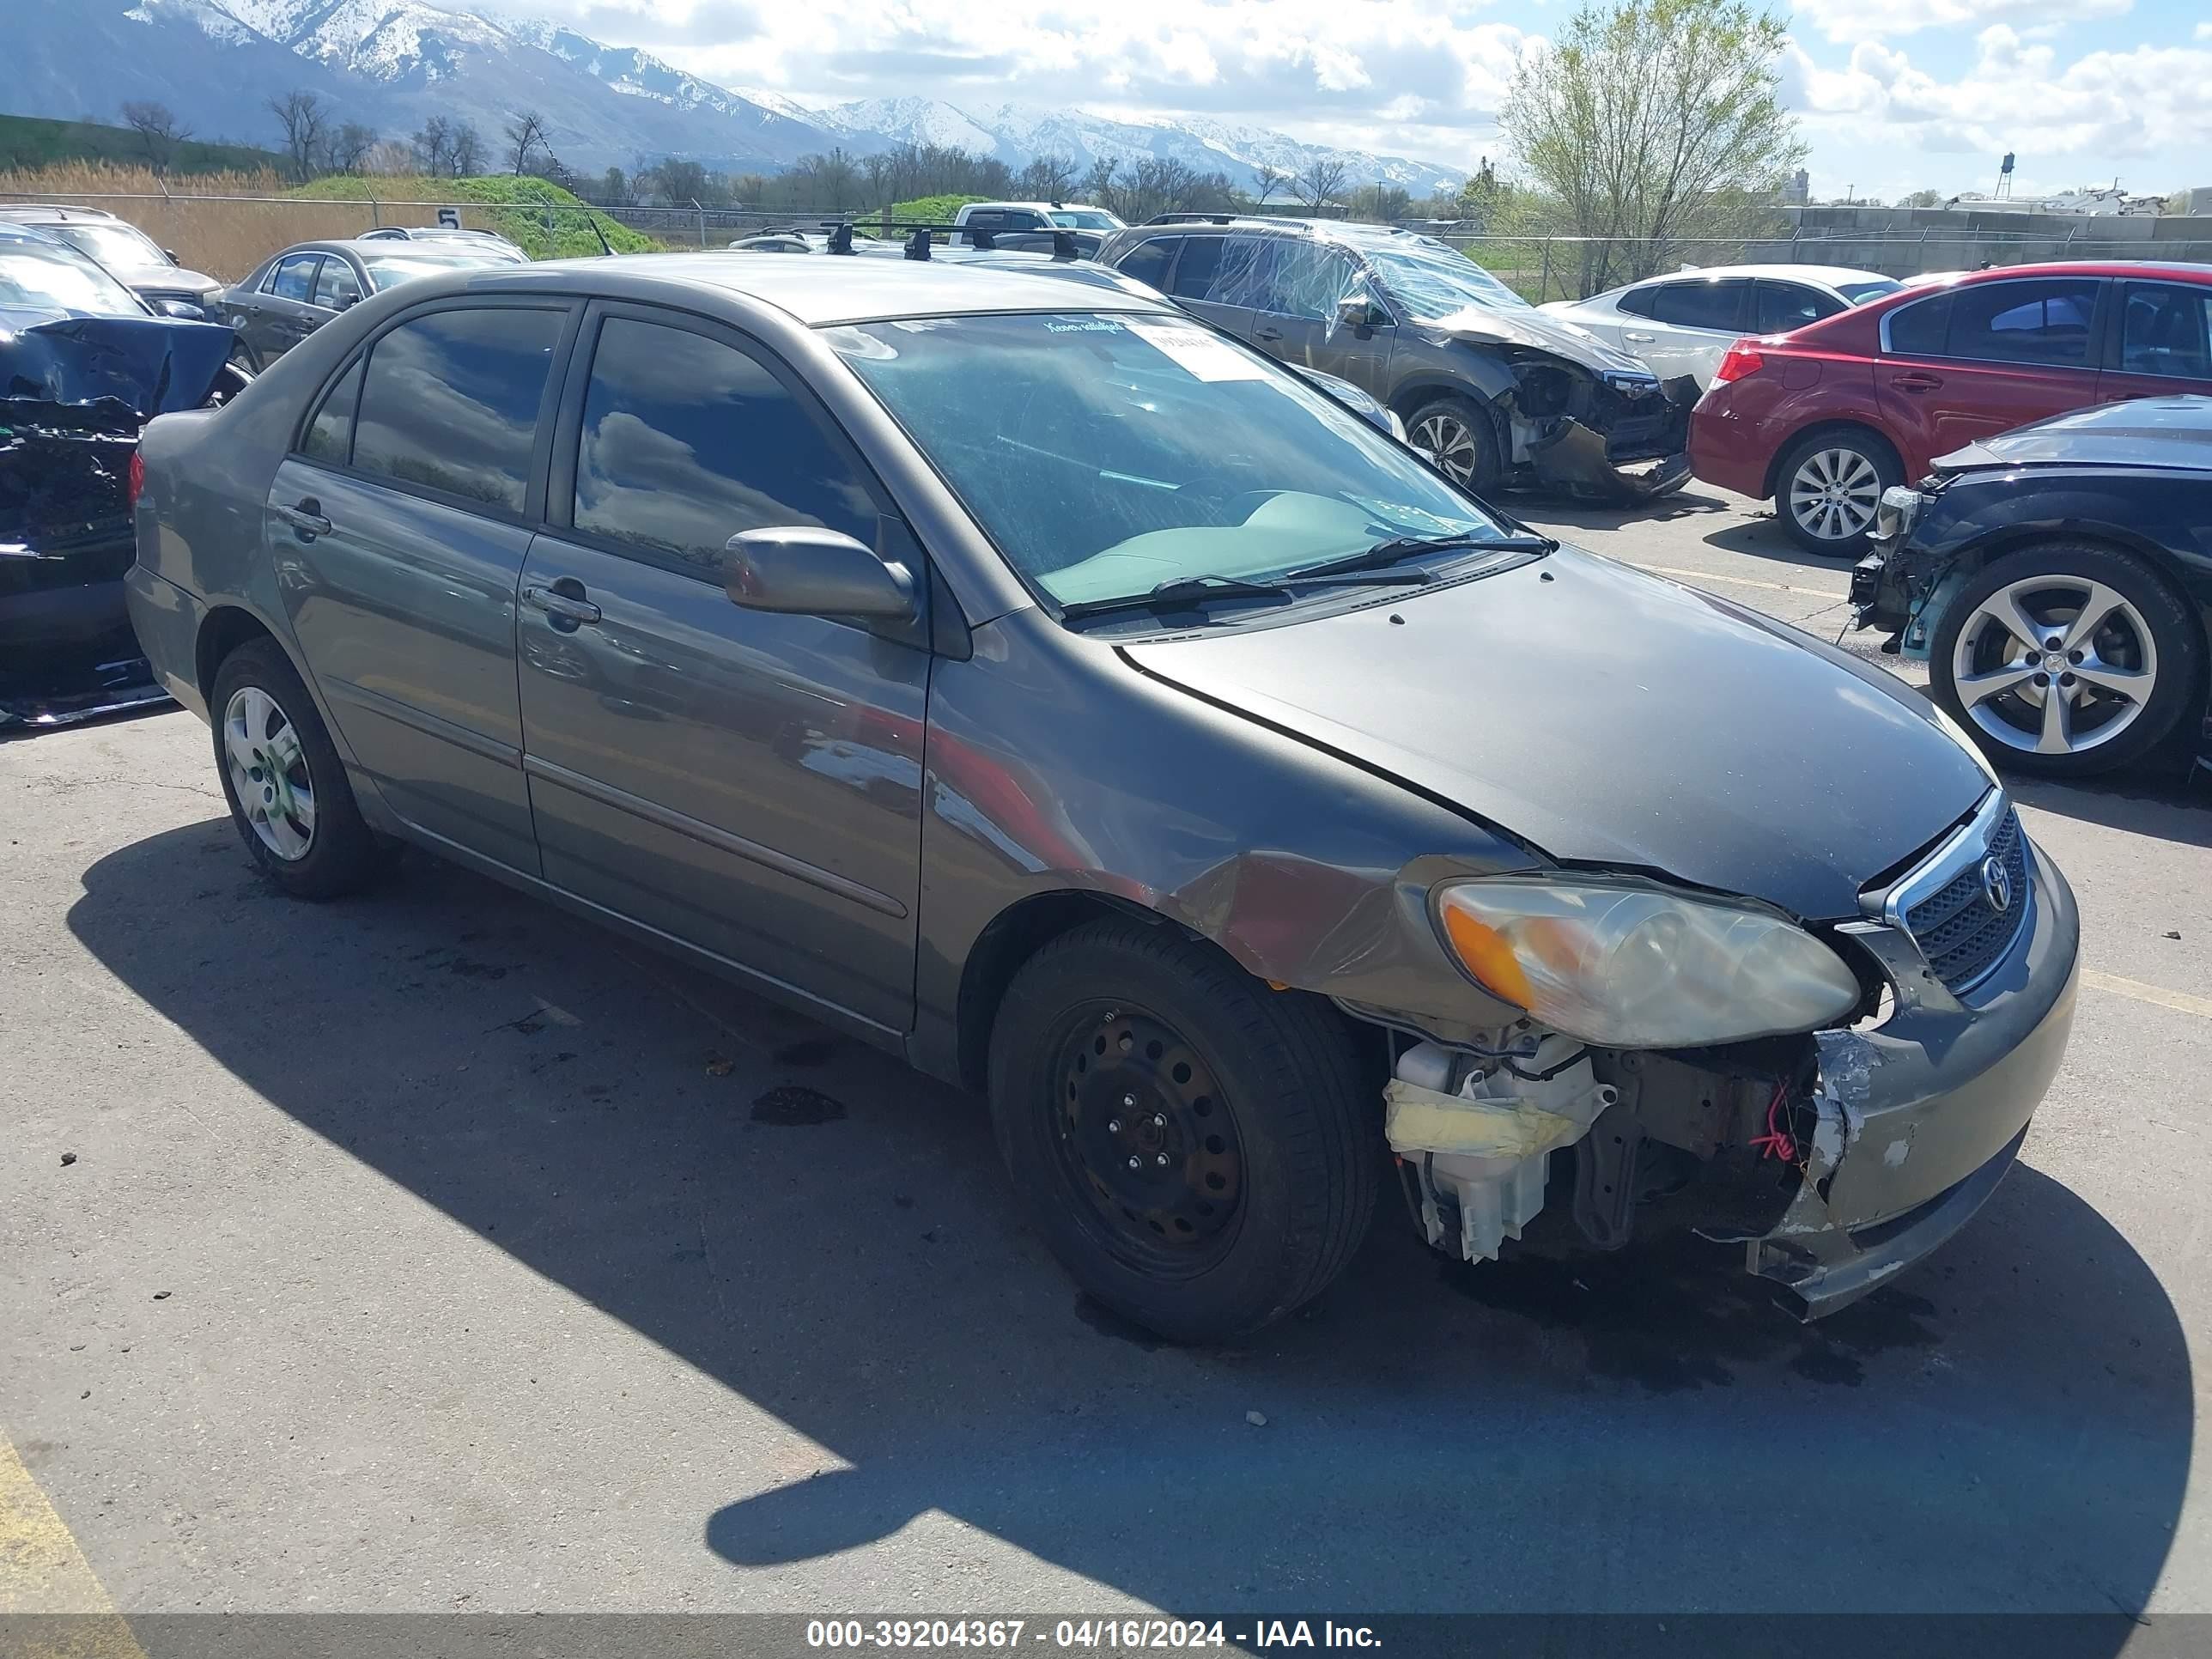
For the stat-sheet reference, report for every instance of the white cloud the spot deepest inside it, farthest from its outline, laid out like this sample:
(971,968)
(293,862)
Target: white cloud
(2102,109)
(1874,19)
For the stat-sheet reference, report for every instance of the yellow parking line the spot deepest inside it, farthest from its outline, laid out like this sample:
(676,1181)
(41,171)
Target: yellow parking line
(43,1572)
(2179,1001)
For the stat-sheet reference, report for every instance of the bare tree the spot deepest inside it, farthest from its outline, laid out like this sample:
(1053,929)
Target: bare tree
(468,150)
(1270,178)
(525,136)
(1319,184)
(1047,178)
(434,146)
(305,120)
(1099,187)
(158,131)
(1647,122)
(349,147)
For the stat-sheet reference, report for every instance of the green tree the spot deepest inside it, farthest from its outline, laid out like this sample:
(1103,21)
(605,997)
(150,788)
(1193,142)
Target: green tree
(1922,198)
(1651,122)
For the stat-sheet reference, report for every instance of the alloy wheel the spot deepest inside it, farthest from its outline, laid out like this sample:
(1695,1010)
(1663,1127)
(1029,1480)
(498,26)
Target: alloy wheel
(2054,664)
(1449,443)
(268,773)
(1144,1132)
(1833,493)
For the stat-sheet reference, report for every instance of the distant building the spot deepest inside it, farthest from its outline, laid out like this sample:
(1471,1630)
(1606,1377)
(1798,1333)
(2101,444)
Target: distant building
(2200,199)
(1799,191)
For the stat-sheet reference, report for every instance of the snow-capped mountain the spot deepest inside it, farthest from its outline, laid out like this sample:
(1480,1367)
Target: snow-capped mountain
(391,65)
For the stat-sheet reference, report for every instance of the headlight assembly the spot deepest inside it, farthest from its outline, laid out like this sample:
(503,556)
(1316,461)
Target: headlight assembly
(1627,966)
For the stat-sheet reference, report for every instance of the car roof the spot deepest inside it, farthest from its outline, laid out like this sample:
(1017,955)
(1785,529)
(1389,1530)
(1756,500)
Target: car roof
(829,290)
(2166,269)
(57,212)
(1833,275)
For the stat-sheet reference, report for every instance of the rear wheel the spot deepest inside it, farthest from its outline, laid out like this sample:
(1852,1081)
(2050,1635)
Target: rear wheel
(1459,438)
(1828,486)
(241,357)
(286,785)
(1200,1151)
(2067,659)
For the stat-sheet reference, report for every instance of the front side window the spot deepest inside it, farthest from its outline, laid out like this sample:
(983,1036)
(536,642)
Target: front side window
(1148,262)
(686,441)
(2166,328)
(2044,320)
(1105,454)
(295,276)
(1701,304)
(336,286)
(450,402)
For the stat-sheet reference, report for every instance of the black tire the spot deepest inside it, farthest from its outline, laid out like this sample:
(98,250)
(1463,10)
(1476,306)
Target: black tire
(341,852)
(1480,467)
(1236,1091)
(242,355)
(1860,449)
(2175,660)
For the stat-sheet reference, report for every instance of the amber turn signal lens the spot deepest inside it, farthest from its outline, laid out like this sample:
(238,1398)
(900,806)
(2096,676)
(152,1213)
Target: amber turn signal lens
(1487,956)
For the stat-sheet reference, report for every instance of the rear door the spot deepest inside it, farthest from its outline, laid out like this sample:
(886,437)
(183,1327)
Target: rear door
(2161,342)
(398,527)
(1693,322)
(747,782)
(1986,358)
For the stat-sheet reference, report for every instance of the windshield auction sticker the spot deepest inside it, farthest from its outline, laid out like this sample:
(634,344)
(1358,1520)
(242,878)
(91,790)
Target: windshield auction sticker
(1206,356)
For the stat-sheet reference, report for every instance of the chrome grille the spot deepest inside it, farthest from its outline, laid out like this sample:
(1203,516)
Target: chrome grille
(1957,928)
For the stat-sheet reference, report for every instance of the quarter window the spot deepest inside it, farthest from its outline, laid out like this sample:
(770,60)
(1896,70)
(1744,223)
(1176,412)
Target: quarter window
(329,433)
(450,402)
(1707,304)
(1919,329)
(294,278)
(687,442)
(2166,329)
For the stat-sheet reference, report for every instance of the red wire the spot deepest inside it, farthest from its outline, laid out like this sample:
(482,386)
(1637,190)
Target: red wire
(1776,1142)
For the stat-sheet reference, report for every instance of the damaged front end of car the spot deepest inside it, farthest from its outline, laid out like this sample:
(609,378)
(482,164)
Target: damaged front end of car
(74,394)
(1611,434)
(1836,1154)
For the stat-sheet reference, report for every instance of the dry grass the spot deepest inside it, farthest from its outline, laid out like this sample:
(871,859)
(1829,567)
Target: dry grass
(227,238)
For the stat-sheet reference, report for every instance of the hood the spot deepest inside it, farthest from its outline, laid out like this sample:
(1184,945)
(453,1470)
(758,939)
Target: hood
(1538,330)
(164,279)
(1613,719)
(134,366)
(2144,432)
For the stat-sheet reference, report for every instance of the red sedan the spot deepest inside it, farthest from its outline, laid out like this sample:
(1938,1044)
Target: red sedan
(1824,420)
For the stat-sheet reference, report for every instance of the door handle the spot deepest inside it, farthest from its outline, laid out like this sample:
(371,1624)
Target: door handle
(1916,382)
(1639,338)
(306,518)
(573,609)
(1267,334)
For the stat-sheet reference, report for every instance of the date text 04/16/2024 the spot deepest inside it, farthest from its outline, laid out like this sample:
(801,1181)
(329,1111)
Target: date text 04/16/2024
(1081,1634)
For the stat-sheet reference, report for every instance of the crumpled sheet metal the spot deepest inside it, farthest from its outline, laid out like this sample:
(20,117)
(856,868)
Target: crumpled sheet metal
(1417,1119)
(140,366)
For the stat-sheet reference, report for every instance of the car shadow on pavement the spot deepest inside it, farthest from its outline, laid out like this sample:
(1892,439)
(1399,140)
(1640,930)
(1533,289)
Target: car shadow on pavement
(1558,507)
(1764,537)
(831,1237)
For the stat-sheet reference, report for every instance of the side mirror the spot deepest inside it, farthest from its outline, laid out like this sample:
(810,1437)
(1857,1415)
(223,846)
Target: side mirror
(182,309)
(1358,313)
(805,570)
(170,254)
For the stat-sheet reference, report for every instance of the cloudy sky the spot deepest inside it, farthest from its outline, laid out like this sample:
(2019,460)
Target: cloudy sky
(1896,94)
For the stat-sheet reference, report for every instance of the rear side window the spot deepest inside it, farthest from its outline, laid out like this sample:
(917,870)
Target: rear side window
(329,433)
(1195,271)
(1778,308)
(336,287)
(2044,320)
(687,440)
(1714,305)
(450,402)
(1148,261)
(2166,328)
(294,278)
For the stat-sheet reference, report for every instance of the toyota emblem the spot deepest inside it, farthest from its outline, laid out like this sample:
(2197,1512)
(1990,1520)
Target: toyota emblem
(1996,884)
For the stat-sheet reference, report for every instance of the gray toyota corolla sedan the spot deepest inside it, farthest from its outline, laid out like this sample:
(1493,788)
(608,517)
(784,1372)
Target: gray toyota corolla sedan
(1026,678)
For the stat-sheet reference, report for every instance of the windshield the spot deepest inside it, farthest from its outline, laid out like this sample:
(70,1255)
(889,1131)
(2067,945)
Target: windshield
(112,245)
(51,275)
(1084,219)
(389,270)
(1107,455)
(1859,293)
(1433,280)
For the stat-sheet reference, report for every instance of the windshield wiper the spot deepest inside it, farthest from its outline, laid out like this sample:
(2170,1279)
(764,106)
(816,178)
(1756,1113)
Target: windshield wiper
(1384,554)
(1189,593)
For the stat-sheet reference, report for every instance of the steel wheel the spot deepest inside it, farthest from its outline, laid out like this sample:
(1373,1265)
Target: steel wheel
(2054,664)
(268,773)
(1145,1133)
(1449,441)
(1833,493)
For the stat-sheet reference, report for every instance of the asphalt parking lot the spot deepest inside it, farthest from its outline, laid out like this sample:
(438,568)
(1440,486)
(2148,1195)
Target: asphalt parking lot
(432,1250)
